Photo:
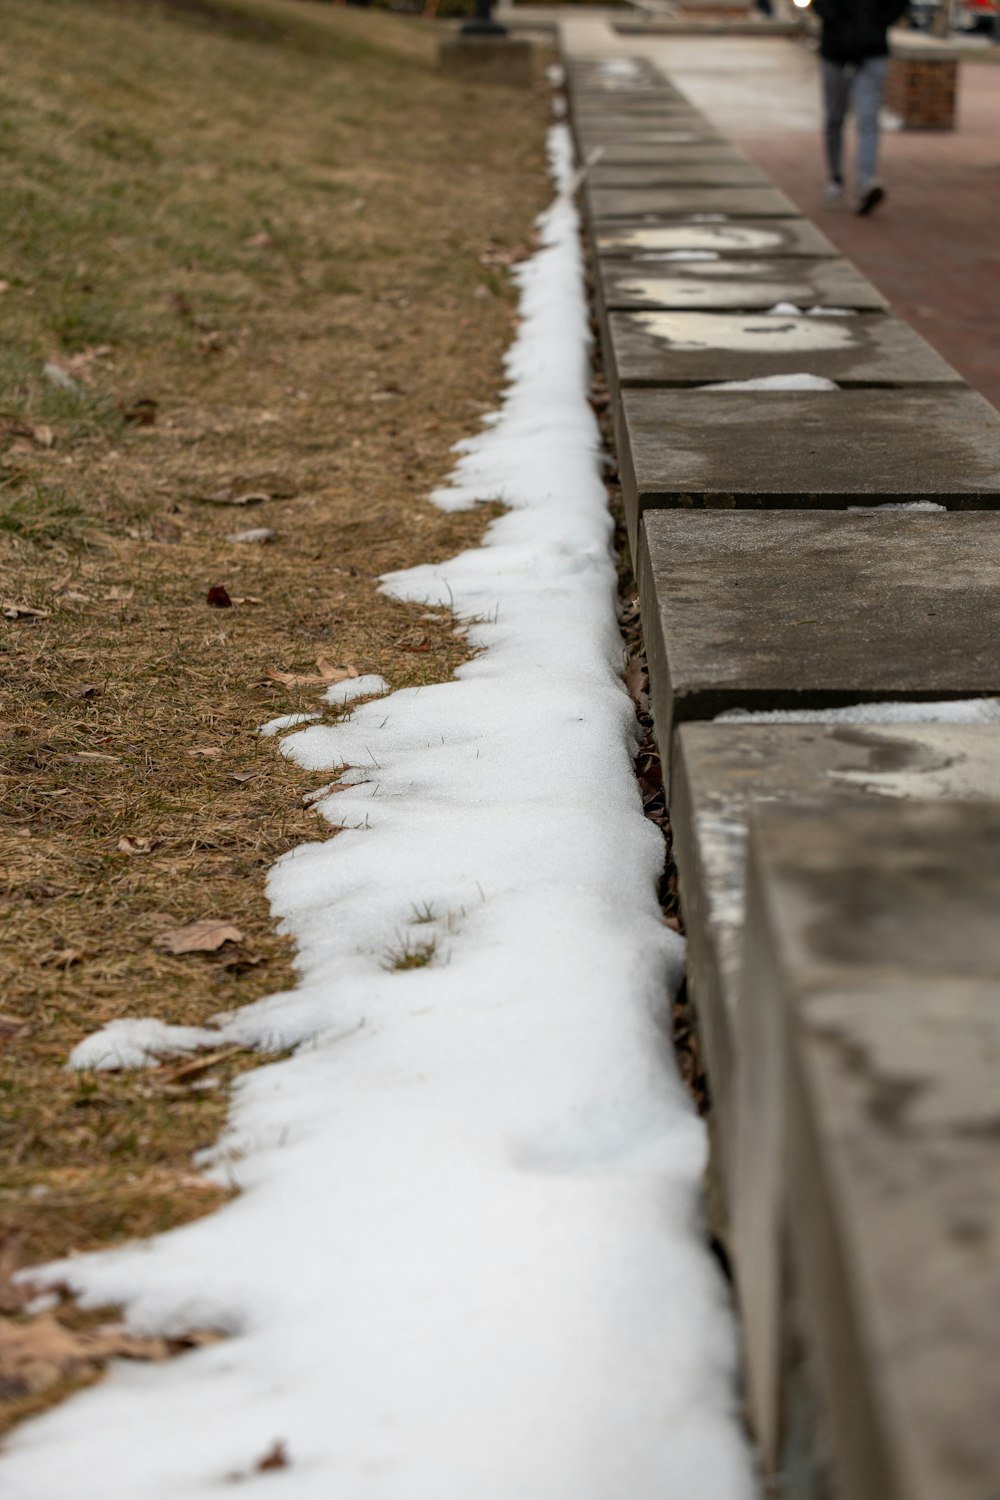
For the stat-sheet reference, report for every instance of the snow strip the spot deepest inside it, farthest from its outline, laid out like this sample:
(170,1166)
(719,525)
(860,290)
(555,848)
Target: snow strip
(468,1258)
(959,711)
(796,382)
(367,686)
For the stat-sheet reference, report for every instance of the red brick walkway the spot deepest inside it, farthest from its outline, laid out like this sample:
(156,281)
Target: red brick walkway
(934,246)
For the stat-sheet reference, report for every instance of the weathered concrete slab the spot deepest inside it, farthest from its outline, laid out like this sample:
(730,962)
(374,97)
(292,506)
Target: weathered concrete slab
(816,609)
(751,237)
(590,137)
(868,1135)
(738,284)
(636,152)
(730,202)
(802,449)
(720,771)
(677,173)
(698,348)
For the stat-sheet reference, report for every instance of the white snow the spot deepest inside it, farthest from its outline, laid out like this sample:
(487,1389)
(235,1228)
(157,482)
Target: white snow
(368,685)
(748,333)
(956,711)
(138,1044)
(797,382)
(467,1262)
(286,721)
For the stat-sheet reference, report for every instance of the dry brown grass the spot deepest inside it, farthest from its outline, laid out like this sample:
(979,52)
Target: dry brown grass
(274,230)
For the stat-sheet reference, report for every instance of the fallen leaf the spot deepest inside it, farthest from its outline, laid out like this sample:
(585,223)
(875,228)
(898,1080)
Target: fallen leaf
(200,937)
(243,775)
(72,597)
(12,1028)
(327,673)
(218,597)
(141,412)
(14,611)
(43,435)
(84,690)
(210,752)
(134,844)
(276,1457)
(636,677)
(262,241)
(246,599)
(258,534)
(41,1353)
(4,287)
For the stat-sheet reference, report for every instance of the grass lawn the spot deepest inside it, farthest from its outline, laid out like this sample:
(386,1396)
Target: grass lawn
(250,247)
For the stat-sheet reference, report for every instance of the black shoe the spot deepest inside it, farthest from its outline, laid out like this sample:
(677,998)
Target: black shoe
(870,199)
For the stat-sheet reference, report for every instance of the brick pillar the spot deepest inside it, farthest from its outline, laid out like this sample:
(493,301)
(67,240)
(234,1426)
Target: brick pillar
(923,91)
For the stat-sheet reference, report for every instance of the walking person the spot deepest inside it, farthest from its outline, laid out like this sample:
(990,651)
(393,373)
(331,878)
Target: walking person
(854,53)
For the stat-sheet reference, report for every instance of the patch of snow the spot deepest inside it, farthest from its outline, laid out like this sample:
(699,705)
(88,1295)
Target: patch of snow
(748,333)
(468,1257)
(957,711)
(368,685)
(556,75)
(901,505)
(138,1044)
(619,68)
(829,312)
(285,721)
(801,382)
(784,310)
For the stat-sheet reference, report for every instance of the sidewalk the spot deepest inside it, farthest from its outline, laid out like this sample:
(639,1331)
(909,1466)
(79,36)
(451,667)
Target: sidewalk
(934,249)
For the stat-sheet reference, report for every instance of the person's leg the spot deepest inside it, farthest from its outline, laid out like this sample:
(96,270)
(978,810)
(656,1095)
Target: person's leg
(836,95)
(869,88)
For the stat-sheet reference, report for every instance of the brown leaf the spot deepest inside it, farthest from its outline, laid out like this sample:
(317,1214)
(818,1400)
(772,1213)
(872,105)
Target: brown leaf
(200,937)
(218,597)
(243,775)
(210,752)
(141,412)
(84,690)
(41,1353)
(326,674)
(262,241)
(135,844)
(636,677)
(12,1028)
(276,1457)
(43,435)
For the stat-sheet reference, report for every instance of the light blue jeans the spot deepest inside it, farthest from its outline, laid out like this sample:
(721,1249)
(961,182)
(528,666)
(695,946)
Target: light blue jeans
(866,82)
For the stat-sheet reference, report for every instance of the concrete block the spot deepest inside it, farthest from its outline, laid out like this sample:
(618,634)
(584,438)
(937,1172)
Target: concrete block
(502,60)
(637,152)
(660,348)
(869,1147)
(721,771)
(604,204)
(816,609)
(590,137)
(734,284)
(801,449)
(745,237)
(674,173)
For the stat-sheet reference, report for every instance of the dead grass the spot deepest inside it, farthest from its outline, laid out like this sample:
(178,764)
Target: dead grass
(267,244)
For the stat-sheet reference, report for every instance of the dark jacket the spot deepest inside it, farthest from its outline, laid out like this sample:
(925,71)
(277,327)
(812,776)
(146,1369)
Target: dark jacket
(856,29)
